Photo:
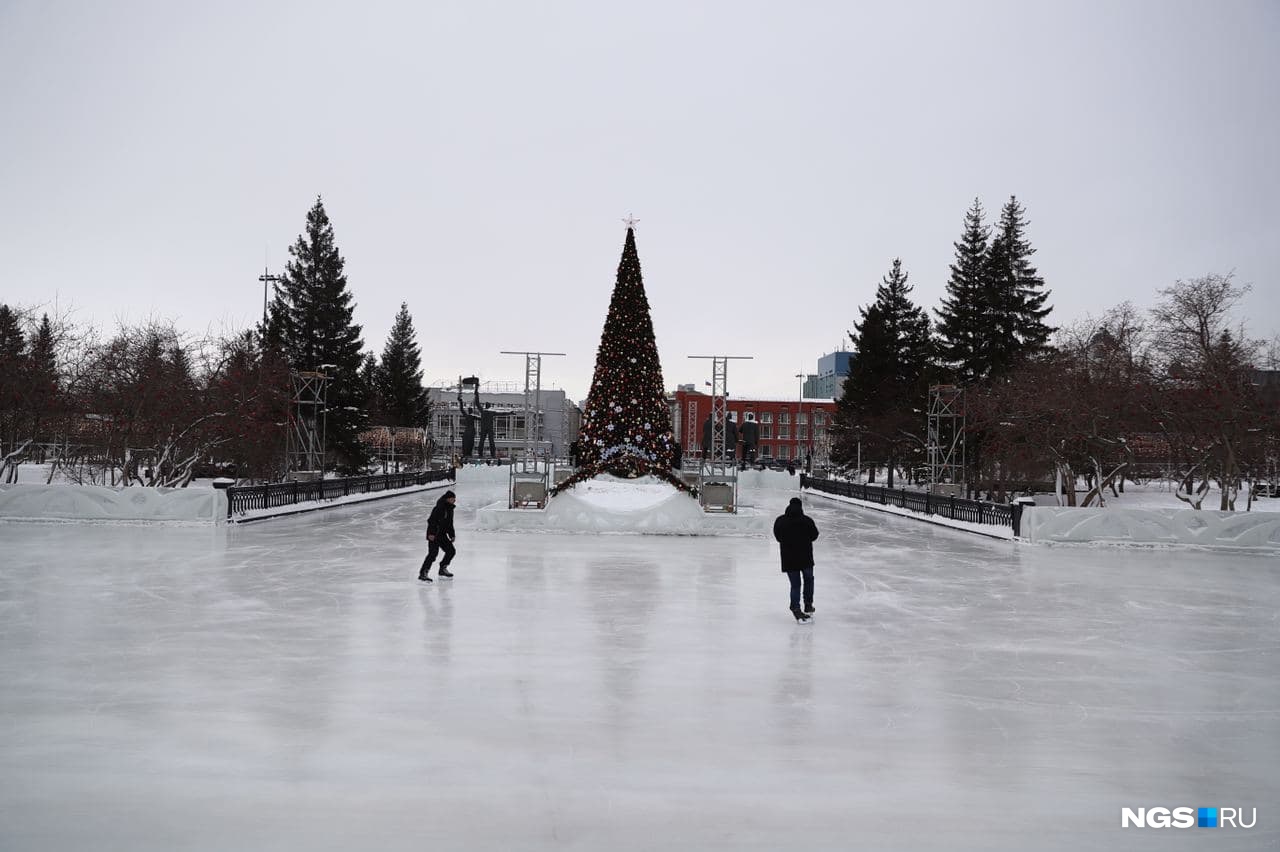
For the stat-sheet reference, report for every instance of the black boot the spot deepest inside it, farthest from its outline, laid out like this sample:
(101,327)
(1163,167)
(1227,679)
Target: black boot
(422,575)
(445,572)
(800,616)
(808,607)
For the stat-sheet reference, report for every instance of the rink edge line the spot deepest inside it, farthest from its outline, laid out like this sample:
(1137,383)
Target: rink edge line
(335,504)
(906,513)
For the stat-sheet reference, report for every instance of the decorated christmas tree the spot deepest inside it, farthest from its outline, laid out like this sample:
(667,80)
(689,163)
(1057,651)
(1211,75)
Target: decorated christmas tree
(626,428)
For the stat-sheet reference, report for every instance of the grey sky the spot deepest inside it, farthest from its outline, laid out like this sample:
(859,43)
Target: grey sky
(476,160)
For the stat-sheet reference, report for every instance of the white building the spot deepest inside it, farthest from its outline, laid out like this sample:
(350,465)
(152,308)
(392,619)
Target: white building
(556,424)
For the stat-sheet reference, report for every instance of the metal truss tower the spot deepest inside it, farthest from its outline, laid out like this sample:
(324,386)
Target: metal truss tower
(307,421)
(720,467)
(532,399)
(946,435)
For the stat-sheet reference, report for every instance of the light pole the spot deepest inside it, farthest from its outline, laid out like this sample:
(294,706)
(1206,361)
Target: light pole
(267,279)
(324,412)
(799,419)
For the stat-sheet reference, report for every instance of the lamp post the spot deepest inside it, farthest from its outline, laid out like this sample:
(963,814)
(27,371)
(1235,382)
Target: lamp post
(799,419)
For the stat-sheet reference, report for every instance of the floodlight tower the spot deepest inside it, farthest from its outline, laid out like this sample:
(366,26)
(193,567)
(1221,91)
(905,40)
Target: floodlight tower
(532,397)
(718,468)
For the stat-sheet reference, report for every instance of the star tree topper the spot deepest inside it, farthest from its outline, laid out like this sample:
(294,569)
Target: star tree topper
(631,221)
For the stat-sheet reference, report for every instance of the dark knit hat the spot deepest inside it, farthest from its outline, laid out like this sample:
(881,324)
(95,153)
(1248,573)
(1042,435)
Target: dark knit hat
(448,494)
(795,501)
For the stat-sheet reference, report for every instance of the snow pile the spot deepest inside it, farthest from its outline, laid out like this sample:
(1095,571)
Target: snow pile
(1159,494)
(481,474)
(1257,531)
(767,480)
(644,506)
(100,503)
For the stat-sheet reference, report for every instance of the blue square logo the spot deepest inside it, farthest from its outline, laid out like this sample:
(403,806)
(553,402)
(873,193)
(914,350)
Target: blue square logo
(1207,817)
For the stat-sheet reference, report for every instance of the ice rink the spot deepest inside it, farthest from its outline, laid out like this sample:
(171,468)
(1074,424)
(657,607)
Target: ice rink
(290,685)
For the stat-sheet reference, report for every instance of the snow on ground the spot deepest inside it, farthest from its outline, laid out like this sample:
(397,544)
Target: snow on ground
(1159,494)
(290,685)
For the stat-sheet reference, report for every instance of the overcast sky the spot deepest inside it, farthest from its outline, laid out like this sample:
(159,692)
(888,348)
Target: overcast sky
(476,160)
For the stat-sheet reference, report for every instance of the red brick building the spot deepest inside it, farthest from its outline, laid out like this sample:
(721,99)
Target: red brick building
(789,429)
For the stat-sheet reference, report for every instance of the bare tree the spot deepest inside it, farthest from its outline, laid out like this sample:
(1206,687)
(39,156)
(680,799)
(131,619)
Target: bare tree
(1205,400)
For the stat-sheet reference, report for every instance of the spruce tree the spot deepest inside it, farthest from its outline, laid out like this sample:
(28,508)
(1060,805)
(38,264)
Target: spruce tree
(885,393)
(13,378)
(1027,295)
(626,426)
(42,389)
(370,383)
(963,320)
(310,321)
(400,389)
(12,341)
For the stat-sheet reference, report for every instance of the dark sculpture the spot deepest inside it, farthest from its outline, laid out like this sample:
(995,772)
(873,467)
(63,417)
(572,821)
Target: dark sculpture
(730,439)
(750,439)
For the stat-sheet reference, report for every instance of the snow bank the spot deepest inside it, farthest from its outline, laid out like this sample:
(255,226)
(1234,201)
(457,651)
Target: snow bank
(101,503)
(472,474)
(1259,531)
(991,530)
(607,505)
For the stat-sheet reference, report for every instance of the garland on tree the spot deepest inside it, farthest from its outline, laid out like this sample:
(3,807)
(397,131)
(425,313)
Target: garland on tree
(626,427)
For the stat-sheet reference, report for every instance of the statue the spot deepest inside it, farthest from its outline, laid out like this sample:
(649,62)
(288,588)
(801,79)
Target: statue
(469,417)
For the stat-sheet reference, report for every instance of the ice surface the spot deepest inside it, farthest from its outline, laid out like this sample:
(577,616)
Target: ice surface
(289,685)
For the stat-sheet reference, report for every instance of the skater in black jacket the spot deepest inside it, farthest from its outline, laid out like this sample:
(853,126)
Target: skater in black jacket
(796,532)
(440,536)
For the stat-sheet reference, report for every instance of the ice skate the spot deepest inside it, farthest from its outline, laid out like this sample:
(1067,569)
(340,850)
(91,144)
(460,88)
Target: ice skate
(801,616)
(445,573)
(422,575)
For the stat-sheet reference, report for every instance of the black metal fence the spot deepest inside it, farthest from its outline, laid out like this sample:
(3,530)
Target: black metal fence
(956,508)
(247,498)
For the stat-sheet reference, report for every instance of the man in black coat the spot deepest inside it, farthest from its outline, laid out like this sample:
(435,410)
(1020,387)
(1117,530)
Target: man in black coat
(440,537)
(796,532)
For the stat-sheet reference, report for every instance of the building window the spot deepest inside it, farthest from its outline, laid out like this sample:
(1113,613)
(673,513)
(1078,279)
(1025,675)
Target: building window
(764,451)
(817,418)
(766,431)
(784,417)
(766,417)
(784,433)
(802,433)
(801,417)
(782,451)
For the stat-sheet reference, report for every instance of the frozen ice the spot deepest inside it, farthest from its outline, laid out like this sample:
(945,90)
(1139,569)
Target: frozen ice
(289,684)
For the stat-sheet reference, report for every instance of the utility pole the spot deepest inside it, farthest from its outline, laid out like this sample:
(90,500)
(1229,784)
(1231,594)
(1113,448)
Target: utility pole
(267,279)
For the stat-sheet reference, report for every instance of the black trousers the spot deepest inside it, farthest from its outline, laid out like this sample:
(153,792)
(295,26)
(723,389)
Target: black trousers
(434,548)
(487,433)
(794,577)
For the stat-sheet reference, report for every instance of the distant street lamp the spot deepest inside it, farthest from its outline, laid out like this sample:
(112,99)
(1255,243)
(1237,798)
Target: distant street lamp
(808,459)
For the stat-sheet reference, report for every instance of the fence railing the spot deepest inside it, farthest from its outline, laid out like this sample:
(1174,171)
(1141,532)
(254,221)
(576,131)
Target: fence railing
(956,508)
(247,498)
